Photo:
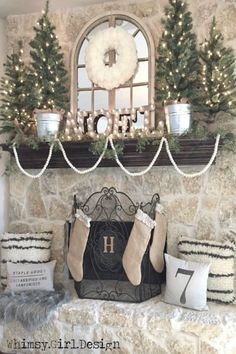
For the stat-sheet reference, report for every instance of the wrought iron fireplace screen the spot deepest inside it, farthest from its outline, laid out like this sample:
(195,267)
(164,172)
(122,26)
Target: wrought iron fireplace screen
(109,205)
(112,213)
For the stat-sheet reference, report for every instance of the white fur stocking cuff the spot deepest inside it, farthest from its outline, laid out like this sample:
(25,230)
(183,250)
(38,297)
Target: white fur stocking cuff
(144,218)
(82,217)
(160,209)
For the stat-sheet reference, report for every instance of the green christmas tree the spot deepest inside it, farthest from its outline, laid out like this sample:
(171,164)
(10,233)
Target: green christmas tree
(218,74)
(16,108)
(177,66)
(48,71)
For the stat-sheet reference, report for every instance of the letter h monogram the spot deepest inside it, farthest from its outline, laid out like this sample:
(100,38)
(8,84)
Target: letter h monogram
(108,242)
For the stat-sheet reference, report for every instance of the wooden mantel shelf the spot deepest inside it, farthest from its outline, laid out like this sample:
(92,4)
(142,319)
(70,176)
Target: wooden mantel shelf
(192,152)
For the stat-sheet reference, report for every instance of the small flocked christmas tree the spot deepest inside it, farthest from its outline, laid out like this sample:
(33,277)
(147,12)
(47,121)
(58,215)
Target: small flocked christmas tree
(218,74)
(16,108)
(177,66)
(48,71)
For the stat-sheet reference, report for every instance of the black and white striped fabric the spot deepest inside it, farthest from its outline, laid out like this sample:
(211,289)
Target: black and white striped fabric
(24,249)
(221,256)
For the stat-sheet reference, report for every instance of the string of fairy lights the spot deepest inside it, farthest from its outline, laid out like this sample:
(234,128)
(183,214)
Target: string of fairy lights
(218,77)
(120,123)
(21,115)
(50,68)
(166,33)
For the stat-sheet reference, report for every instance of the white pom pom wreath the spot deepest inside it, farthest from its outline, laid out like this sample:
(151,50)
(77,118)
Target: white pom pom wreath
(110,77)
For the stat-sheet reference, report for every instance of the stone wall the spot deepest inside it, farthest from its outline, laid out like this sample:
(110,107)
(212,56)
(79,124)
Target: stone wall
(203,207)
(70,22)
(3,44)
(152,327)
(4,185)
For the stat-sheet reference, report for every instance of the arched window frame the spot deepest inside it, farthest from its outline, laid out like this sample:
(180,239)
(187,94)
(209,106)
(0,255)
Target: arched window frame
(151,56)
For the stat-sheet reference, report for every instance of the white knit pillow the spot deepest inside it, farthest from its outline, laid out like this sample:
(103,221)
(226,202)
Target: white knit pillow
(24,249)
(220,255)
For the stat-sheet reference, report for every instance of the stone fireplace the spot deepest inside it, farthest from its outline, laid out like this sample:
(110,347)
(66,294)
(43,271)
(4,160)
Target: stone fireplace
(202,207)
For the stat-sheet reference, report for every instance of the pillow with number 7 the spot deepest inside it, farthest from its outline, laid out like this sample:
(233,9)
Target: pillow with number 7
(186,283)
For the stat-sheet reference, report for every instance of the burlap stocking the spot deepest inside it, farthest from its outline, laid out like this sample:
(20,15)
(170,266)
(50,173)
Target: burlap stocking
(136,246)
(78,244)
(159,239)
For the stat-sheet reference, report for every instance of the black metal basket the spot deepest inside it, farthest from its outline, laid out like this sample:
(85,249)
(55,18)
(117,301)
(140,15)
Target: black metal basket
(112,215)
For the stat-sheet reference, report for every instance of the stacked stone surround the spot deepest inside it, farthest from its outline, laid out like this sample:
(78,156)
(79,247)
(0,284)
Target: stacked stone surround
(203,207)
(69,22)
(152,327)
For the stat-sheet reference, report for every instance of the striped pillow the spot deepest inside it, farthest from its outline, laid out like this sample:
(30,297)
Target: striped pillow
(220,255)
(24,249)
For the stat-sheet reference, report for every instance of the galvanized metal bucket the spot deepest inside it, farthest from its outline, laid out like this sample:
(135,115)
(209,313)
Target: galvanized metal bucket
(178,118)
(48,124)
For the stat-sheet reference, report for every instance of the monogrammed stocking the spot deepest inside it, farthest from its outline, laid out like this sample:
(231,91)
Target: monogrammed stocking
(78,244)
(159,238)
(136,246)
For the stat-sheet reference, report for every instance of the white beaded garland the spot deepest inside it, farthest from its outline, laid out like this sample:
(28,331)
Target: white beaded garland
(134,174)
(197,174)
(187,175)
(82,172)
(43,169)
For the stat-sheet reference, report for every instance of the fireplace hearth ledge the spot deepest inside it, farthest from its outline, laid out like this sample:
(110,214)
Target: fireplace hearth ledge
(148,327)
(191,152)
